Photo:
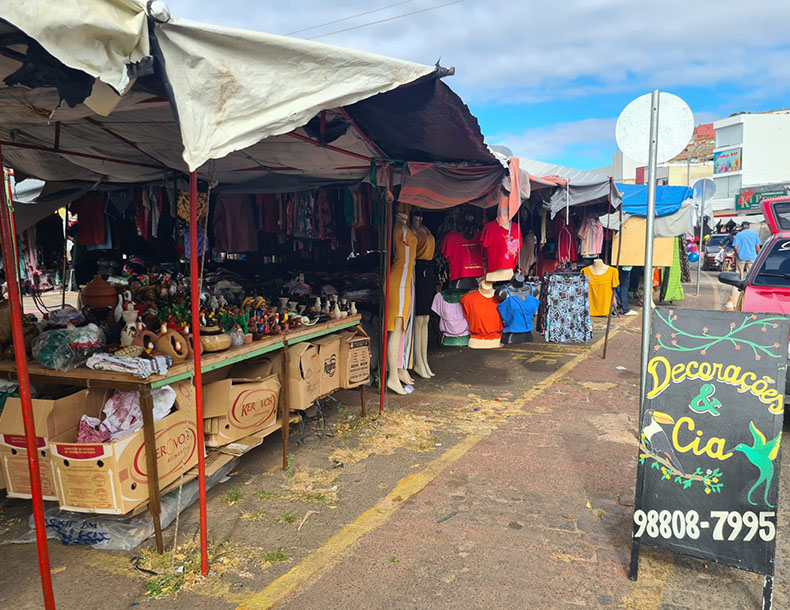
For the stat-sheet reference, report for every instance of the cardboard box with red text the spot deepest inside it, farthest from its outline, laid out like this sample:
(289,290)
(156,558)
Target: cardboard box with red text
(112,478)
(354,360)
(234,408)
(328,357)
(51,417)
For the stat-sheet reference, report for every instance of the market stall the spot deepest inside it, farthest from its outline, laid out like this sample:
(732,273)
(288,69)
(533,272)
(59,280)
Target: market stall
(236,115)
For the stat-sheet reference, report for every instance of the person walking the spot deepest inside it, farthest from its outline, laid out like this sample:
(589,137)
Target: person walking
(747,246)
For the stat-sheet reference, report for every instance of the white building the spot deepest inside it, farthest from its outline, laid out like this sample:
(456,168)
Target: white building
(751,150)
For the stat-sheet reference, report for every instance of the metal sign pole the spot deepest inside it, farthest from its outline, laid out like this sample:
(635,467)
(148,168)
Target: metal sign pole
(647,309)
(701,229)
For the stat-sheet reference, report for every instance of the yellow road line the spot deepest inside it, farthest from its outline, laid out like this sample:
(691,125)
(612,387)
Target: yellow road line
(326,557)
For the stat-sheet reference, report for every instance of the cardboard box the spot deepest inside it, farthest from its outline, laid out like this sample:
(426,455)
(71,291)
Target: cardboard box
(304,375)
(51,418)
(234,408)
(328,359)
(632,251)
(111,478)
(354,358)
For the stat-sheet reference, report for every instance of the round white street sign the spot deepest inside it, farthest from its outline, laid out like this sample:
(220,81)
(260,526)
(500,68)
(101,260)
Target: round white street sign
(675,128)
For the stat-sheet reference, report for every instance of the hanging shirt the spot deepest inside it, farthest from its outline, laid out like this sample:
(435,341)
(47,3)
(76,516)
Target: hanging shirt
(481,313)
(566,240)
(526,258)
(426,244)
(452,322)
(91,226)
(501,245)
(234,226)
(464,255)
(270,208)
(601,288)
(591,234)
(517,313)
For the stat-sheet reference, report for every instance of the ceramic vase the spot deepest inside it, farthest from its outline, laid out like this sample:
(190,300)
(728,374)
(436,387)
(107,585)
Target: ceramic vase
(130,325)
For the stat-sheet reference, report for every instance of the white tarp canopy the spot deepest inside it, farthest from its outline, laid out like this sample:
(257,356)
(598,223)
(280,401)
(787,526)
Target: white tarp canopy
(580,187)
(230,89)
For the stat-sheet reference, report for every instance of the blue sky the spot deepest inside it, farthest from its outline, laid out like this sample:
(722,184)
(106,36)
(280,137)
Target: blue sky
(548,80)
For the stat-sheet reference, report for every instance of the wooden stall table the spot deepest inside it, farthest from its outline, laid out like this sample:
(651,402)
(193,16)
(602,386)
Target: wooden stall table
(88,378)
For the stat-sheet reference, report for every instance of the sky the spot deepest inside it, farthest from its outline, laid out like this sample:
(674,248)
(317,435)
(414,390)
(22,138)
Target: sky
(549,79)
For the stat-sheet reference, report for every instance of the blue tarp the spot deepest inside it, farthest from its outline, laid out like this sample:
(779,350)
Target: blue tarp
(668,198)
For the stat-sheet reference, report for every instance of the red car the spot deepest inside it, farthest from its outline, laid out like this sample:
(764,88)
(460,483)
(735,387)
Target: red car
(767,286)
(766,289)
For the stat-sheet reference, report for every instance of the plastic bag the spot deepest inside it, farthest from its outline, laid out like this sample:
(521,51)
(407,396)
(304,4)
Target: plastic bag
(67,348)
(65,316)
(116,532)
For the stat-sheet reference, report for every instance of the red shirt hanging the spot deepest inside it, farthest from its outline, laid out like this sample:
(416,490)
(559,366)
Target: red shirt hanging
(566,240)
(501,245)
(90,219)
(464,255)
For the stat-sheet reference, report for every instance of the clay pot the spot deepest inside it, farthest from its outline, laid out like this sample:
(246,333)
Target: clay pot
(99,293)
(145,339)
(213,339)
(174,345)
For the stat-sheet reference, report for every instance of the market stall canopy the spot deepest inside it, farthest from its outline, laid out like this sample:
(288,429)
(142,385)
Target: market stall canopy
(571,187)
(252,111)
(670,225)
(668,198)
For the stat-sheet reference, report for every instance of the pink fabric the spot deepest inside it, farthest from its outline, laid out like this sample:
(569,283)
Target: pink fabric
(509,205)
(452,322)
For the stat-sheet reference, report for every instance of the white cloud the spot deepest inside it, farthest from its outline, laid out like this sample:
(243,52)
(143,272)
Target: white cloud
(586,138)
(542,51)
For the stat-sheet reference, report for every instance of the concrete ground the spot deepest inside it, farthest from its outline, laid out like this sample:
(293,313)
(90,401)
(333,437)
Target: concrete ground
(506,480)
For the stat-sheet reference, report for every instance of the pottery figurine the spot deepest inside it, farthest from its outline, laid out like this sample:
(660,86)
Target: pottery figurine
(130,326)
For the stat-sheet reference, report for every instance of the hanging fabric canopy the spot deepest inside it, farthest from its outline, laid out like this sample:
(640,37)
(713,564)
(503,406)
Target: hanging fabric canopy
(253,111)
(668,198)
(571,187)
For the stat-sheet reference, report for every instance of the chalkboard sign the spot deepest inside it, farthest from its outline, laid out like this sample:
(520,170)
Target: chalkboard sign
(709,438)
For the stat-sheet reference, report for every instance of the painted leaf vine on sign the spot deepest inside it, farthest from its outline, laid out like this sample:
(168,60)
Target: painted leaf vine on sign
(680,340)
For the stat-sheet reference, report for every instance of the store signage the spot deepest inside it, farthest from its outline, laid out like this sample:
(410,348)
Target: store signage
(750,198)
(709,439)
(727,161)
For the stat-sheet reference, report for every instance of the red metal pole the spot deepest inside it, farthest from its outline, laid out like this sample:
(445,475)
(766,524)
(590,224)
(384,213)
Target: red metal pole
(69,153)
(195,298)
(14,301)
(383,360)
(342,151)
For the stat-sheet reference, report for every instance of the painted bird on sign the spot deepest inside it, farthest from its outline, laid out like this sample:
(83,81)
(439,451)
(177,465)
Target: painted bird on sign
(657,440)
(761,454)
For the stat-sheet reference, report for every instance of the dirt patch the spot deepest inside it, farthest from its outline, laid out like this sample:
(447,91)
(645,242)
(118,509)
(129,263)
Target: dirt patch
(615,428)
(311,485)
(178,570)
(382,435)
